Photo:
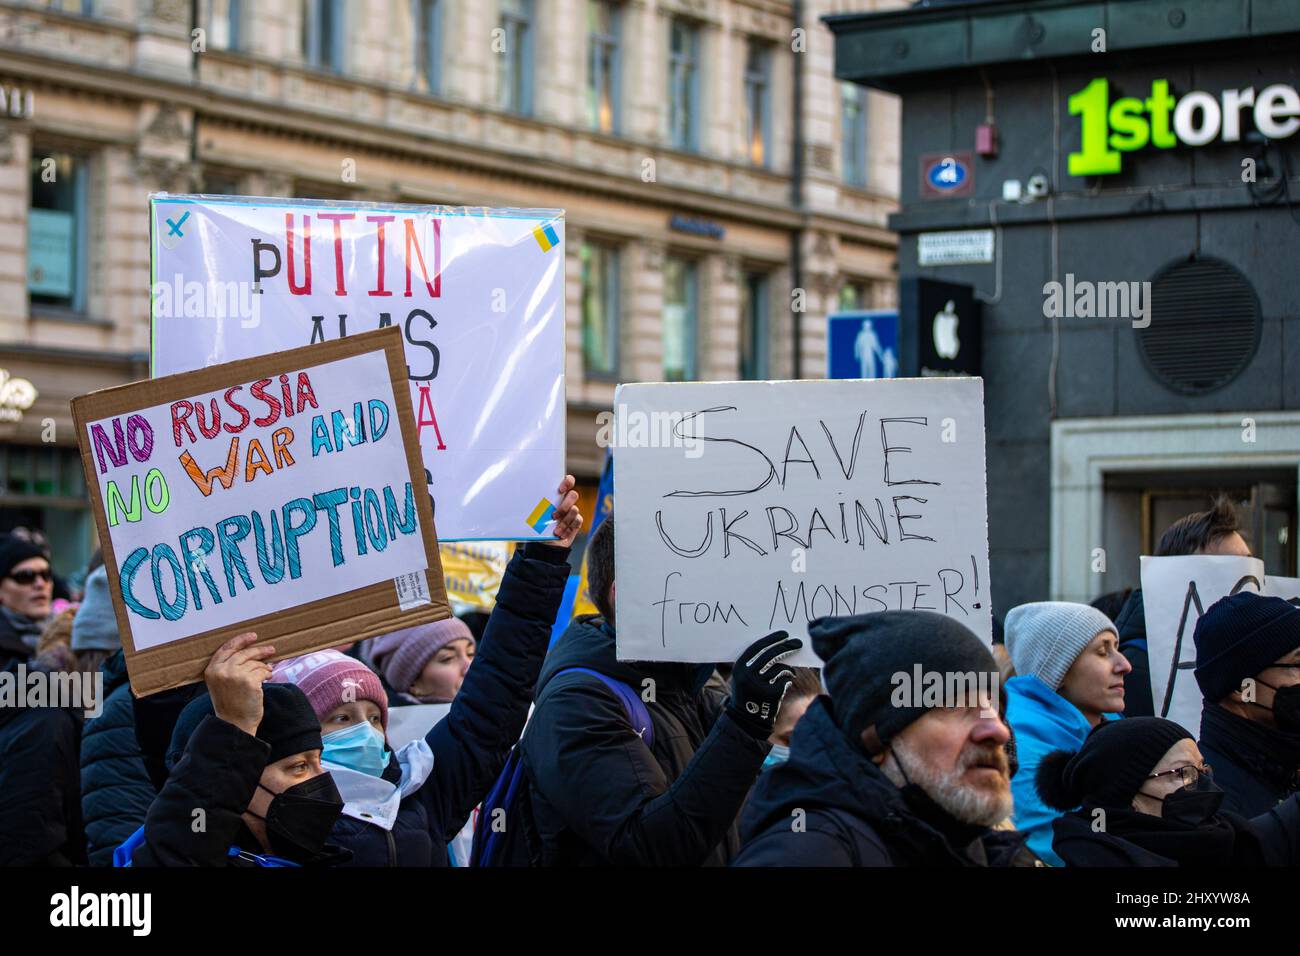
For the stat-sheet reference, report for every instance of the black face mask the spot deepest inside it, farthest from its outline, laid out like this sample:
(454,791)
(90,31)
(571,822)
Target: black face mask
(1286,707)
(299,819)
(1192,806)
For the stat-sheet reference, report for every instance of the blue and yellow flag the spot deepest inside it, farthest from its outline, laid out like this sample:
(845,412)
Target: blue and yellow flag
(582,604)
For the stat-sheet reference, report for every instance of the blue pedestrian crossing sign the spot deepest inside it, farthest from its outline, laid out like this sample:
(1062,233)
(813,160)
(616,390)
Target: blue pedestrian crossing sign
(862,345)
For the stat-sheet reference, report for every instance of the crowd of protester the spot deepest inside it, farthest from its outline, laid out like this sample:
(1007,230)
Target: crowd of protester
(556,753)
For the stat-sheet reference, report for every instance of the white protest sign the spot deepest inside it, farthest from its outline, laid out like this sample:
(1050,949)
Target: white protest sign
(748,507)
(478,295)
(413,722)
(1288,589)
(277,494)
(1176,591)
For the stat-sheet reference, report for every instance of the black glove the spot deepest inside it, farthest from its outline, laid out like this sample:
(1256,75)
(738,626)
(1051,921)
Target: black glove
(758,683)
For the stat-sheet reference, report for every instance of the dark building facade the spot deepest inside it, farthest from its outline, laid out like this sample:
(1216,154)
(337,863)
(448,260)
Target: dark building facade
(1137,163)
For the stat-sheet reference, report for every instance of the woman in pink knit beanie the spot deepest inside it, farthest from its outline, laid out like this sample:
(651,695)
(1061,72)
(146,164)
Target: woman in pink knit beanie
(426,664)
(341,690)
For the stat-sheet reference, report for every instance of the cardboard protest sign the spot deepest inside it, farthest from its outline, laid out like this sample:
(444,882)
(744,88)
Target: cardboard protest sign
(478,295)
(1176,591)
(749,507)
(281,495)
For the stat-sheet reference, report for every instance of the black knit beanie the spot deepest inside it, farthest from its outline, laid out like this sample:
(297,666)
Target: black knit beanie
(1239,636)
(1110,767)
(288,724)
(14,551)
(862,653)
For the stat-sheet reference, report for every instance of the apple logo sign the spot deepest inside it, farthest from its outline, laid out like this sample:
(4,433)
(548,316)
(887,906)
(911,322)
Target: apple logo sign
(946,342)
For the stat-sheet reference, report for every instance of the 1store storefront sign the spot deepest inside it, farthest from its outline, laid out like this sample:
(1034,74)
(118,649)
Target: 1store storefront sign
(1110,129)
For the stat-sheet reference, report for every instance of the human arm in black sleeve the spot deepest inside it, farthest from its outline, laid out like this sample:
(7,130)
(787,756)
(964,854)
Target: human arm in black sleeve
(471,744)
(584,757)
(217,775)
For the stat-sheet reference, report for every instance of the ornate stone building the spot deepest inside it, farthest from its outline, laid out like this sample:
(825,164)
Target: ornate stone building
(723,192)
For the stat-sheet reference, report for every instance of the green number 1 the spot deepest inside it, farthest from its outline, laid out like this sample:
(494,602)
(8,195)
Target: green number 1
(1095,158)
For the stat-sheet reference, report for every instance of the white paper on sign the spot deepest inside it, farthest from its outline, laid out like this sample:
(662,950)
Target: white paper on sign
(413,722)
(1176,591)
(412,589)
(478,295)
(750,507)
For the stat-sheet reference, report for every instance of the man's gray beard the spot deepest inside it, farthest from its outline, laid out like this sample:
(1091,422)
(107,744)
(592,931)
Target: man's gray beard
(960,800)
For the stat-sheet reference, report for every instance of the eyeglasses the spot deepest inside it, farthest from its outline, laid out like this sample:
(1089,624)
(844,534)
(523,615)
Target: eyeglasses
(1188,774)
(27,576)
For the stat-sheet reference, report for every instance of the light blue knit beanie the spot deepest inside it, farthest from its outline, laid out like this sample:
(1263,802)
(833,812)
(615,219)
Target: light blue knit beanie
(1045,638)
(95,626)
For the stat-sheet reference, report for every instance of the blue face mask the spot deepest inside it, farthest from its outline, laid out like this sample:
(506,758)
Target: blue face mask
(359,747)
(778,755)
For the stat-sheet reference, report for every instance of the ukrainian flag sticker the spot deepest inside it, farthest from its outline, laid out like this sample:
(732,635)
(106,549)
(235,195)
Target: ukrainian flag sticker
(540,516)
(546,237)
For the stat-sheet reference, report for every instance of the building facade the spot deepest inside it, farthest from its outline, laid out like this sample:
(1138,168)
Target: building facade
(1121,176)
(723,191)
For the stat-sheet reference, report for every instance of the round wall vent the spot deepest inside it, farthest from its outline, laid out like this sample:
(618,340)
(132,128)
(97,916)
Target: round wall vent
(1205,326)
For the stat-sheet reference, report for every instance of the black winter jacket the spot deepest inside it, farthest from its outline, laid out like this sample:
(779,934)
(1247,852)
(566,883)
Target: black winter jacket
(471,744)
(1270,839)
(115,788)
(829,805)
(218,774)
(1256,766)
(1132,626)
(13,649)
(598,795)
(40,788)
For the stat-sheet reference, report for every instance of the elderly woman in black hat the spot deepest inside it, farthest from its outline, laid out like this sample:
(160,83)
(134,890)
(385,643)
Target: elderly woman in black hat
(1139,793)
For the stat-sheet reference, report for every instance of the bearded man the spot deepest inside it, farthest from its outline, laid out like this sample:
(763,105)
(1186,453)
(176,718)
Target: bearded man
(905,763)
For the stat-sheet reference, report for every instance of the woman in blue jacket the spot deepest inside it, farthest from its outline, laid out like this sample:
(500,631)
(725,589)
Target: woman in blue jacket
(1069,677)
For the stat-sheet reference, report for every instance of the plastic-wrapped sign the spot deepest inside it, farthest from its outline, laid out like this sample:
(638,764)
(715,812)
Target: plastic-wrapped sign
(478,295)
(749,507)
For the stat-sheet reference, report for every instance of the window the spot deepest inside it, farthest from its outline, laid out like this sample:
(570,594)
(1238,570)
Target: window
(603,66)
(56,227)
(683,85)
(853,133)
(428,45)
(44,489)
(599,309)
(224,24)
(220,184)
(680,313)
(85,8)
(514,78)
(323,34)
(753,327)
(758,95)
(852,297)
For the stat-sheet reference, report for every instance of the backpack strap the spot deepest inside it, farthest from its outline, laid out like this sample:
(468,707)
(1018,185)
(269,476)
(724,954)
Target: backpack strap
(502,794)
(638,714)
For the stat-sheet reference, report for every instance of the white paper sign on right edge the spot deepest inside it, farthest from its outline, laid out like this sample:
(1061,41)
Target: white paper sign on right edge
(1288,589)
(749,507)
(1176,591)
